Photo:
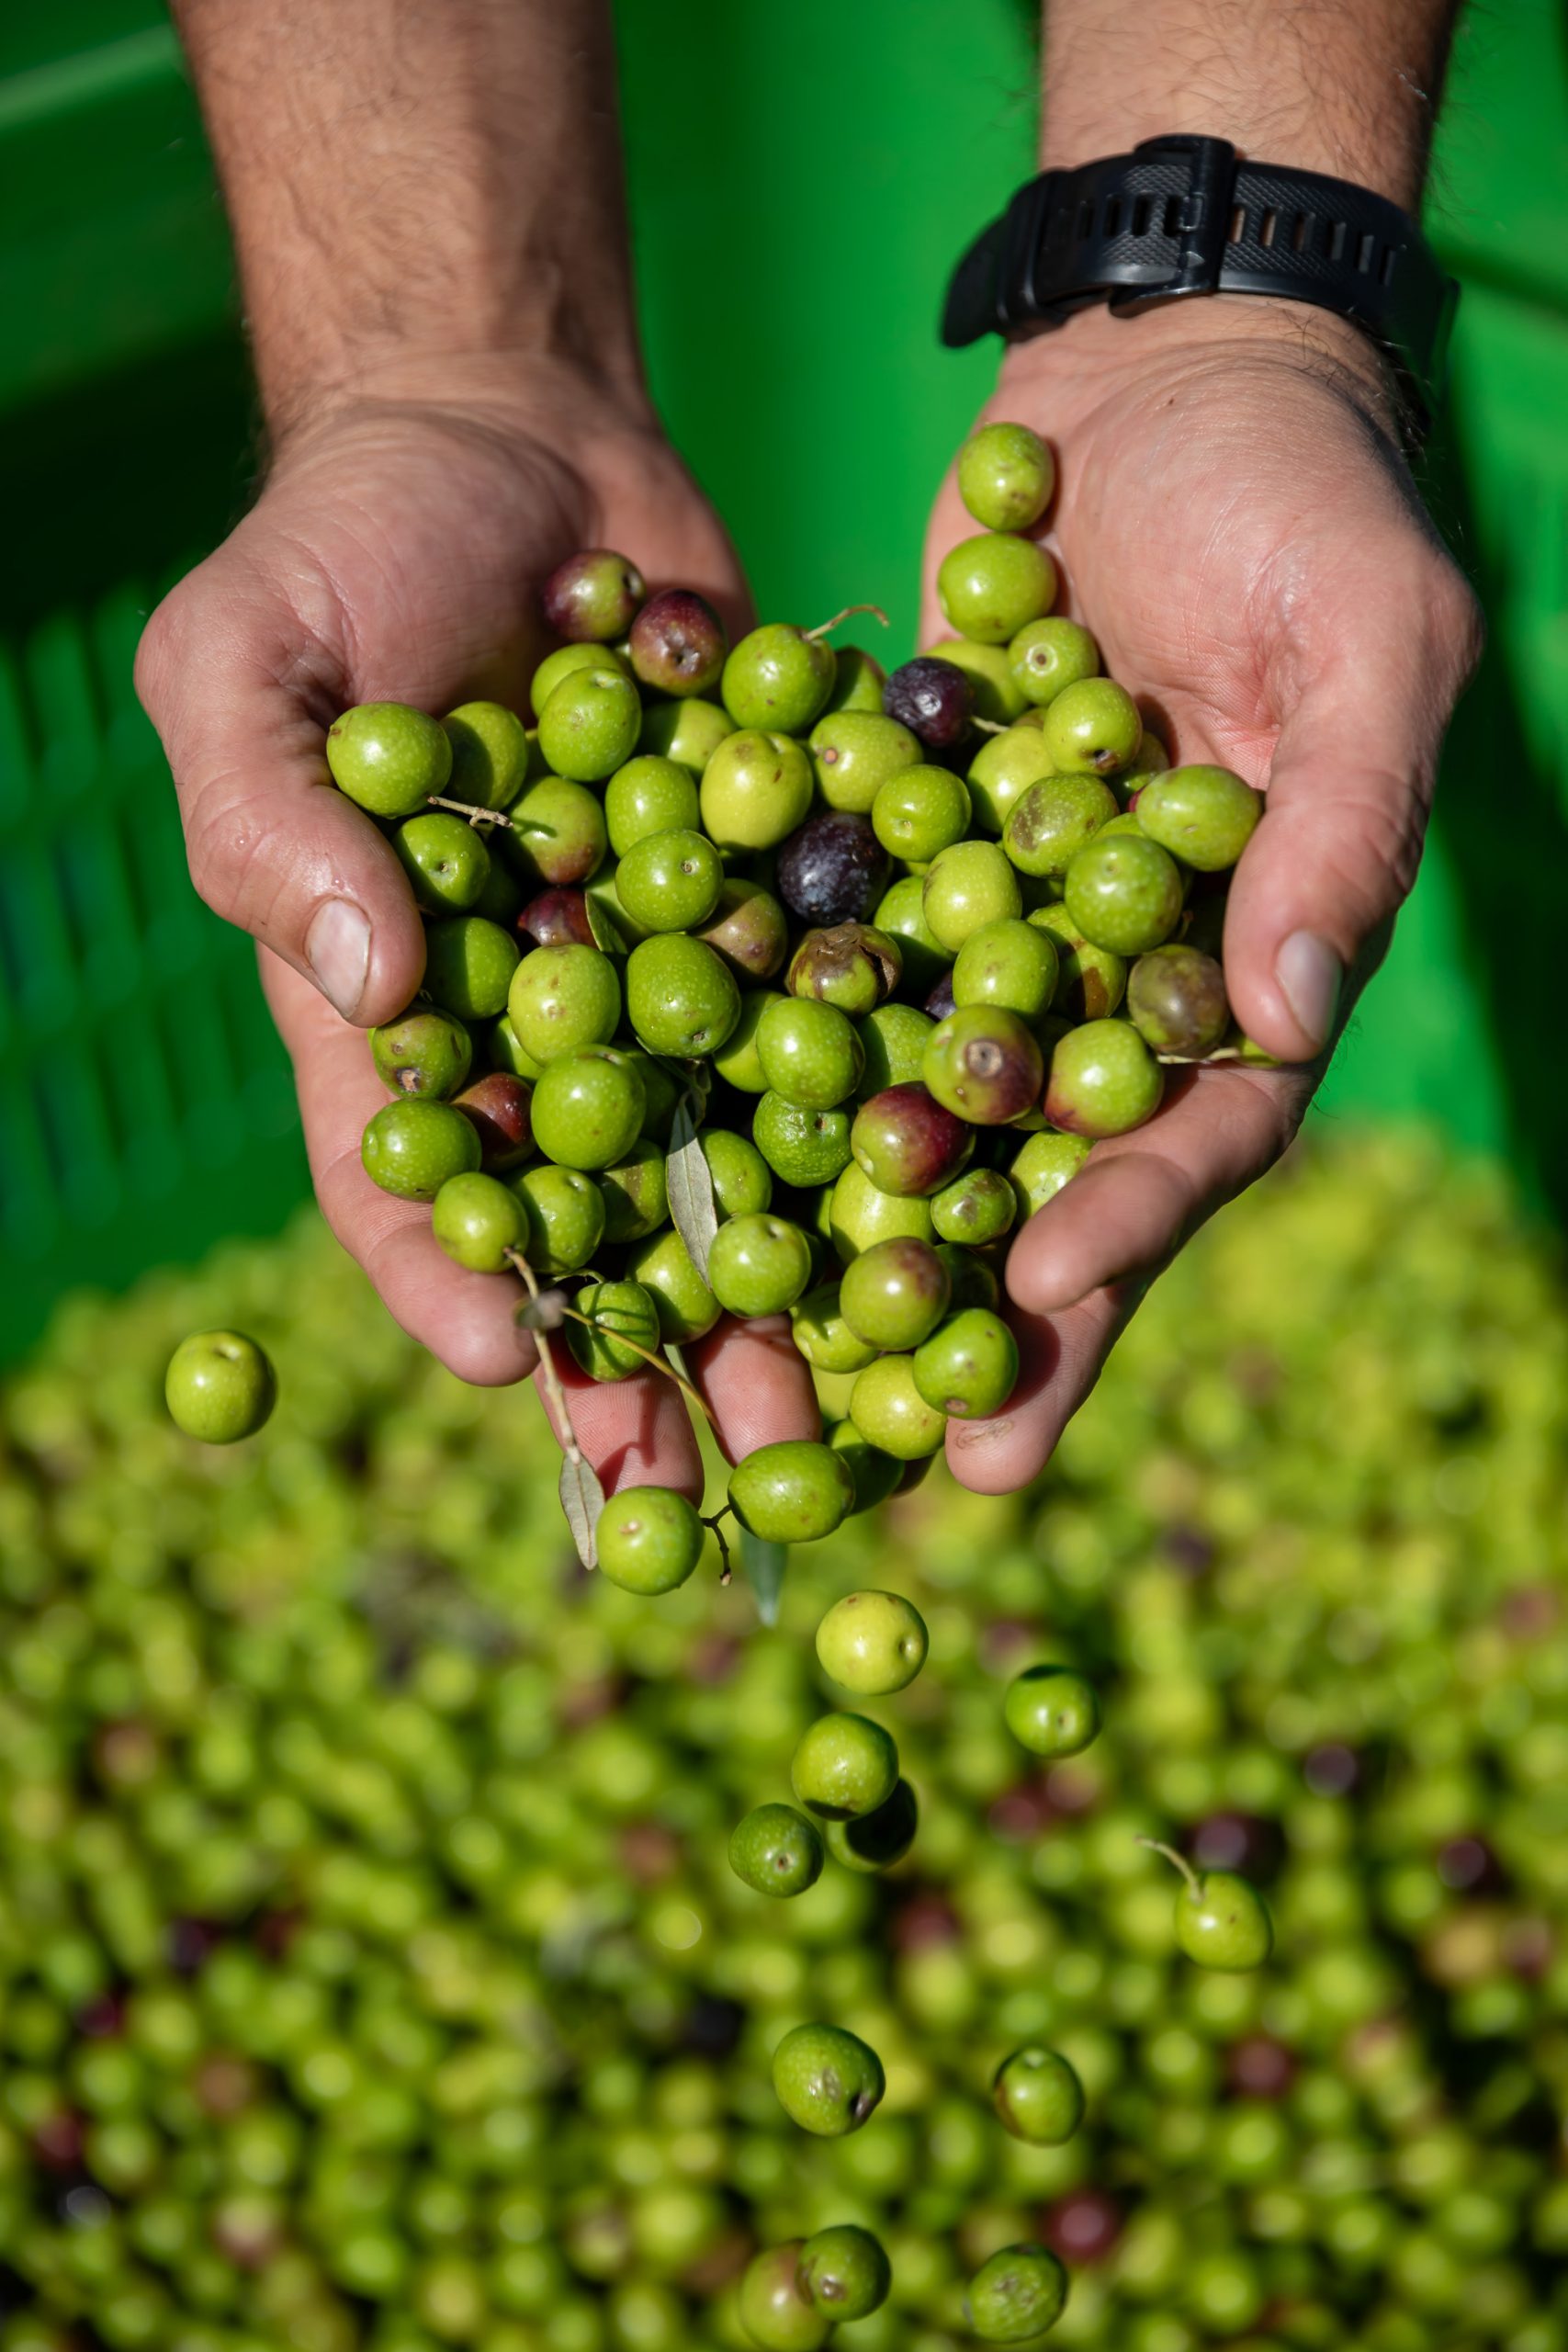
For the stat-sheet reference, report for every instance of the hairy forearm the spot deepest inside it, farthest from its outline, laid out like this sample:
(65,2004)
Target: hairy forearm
(1345,86)
(415,185)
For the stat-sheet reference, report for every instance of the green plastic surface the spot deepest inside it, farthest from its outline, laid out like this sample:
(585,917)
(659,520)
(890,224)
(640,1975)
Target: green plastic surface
(799,184)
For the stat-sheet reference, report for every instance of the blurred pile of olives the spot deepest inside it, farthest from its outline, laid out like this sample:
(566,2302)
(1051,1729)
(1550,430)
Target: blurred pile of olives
(372,1973)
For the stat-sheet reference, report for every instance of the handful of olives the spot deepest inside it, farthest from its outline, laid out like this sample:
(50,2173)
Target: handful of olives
(759,983)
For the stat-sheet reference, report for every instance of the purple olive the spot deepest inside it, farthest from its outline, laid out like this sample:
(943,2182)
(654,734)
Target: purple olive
(907,1142)
(498,1105)
(750,929)
(940,1002)
(932,698)
(557,917)
(833,869)
(590,598)
(678,645)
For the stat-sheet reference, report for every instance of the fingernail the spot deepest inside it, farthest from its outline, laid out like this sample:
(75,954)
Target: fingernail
(337,947)
(1308,974)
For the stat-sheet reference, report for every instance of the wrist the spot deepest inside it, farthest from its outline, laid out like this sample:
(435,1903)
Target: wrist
(522,395)
(417,188)
(1394,167)
(1356,102)
(1205,334)
(534,366)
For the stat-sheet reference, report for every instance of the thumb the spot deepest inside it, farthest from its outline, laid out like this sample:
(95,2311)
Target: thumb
(1340,840)
(242,696)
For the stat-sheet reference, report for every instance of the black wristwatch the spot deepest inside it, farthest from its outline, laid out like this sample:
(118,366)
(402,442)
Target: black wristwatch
(1183,216)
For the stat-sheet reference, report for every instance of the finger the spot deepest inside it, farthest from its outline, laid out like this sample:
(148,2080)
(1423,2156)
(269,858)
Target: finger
(1349,790)
(1138,1198)
(756,1383)
(466,1319)
(1059,1361)
(636,1432)
(241,695)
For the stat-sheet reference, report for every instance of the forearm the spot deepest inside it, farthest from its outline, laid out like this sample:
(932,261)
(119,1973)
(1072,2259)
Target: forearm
(1348,87)
(415,187)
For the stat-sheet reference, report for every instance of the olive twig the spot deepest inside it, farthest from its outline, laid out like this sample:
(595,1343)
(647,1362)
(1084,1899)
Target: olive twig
(553,1388)
(475,816)
(1179,1860)
(824,627)
(592,1323)
(712,1519)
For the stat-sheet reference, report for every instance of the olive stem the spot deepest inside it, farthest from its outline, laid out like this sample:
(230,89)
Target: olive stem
(728,1569)
(467,808)
(824,627)
(1179,1860)
(553,1388)
(990,726)
(592,1323)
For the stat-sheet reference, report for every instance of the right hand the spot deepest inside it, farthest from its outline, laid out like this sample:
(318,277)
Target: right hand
(396,553)
(1238,527)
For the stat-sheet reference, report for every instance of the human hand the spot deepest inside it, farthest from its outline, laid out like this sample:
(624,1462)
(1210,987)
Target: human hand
(1235,524)
(397,552)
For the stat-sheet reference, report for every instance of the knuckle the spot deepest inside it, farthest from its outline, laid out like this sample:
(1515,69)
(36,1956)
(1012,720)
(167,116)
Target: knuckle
(1461,625)
(1281,1108)
(482,1359)
(1453,628)
(1398,833)
(1392,835)
(1372,864)
(227,836)
(339,1184)
(158,663)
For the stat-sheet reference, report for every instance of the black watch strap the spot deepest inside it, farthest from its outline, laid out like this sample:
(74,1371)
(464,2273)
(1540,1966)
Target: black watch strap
(1182,216)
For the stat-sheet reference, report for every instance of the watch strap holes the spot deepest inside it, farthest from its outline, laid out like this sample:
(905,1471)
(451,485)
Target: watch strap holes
(1184,215)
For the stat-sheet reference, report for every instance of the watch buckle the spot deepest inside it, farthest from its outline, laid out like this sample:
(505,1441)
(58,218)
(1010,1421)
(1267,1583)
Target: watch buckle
(1202,227)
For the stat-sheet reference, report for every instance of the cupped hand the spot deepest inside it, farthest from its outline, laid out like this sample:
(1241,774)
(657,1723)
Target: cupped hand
(397,552)
(1235,524)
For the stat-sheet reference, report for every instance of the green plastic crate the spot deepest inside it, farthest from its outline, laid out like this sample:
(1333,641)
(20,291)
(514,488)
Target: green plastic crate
(144,1106)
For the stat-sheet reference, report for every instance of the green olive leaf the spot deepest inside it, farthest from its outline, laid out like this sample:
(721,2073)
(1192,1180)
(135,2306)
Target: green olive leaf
(693,1212)
(582,1499)
(607,936)
(764,1565)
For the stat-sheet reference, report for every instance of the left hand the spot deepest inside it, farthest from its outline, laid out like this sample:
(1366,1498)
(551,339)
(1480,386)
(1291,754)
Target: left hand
(1237,525)
(398,548)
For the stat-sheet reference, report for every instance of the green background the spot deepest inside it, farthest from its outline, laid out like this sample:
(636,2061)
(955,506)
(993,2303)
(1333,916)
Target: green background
(800,182)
